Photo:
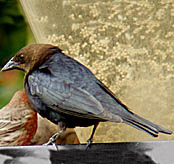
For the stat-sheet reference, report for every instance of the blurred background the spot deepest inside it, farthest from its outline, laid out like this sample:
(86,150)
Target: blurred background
(14,34)
(128,45)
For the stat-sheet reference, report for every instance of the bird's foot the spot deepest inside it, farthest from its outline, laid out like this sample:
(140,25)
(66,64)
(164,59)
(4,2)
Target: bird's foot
(89,143)
(52,140)
(90,140)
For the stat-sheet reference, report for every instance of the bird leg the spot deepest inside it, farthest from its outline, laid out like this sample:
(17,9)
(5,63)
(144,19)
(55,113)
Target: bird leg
(90,140)
(52,140)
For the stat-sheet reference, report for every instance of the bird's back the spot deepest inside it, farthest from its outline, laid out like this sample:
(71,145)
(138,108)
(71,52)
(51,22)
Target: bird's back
(61,69)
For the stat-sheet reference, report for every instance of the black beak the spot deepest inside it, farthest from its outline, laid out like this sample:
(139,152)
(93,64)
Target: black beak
(10,65)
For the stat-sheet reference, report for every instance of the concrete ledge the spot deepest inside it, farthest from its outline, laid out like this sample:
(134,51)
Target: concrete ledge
(159,152)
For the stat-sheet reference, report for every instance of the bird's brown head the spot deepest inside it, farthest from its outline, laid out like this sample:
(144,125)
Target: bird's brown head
(30,57)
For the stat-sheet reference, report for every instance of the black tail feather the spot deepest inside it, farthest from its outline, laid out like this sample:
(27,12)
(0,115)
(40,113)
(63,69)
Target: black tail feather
(145,125)
(143,128)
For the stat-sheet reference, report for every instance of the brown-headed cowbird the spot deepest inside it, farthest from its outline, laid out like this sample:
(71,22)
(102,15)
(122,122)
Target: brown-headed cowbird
(18,121)
(66,92)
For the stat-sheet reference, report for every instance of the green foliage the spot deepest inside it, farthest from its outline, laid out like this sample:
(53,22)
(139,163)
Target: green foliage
(13,33)
(13,36)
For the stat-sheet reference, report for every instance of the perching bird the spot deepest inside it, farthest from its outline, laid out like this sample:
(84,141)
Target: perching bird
(18,121)
(66,92)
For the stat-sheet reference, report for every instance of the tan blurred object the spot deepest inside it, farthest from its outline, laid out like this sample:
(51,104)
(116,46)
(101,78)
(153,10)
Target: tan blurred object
(46,129)
(127,44)
(18,121)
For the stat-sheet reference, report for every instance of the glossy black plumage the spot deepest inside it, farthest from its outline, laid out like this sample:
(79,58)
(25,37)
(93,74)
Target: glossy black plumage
(62,89)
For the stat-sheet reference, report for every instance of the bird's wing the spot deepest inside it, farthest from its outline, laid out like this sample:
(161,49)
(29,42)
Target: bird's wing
(62,96)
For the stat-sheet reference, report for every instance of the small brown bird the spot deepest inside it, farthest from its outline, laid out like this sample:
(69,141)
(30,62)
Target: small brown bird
(18,121)
(67,93)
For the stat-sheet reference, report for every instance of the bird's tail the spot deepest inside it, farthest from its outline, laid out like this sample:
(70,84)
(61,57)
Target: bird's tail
(145,125)
(130,118)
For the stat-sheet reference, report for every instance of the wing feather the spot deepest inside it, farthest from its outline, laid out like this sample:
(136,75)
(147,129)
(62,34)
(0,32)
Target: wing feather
(63,96)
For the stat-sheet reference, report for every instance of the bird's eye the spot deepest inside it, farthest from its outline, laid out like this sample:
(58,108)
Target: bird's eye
(21,57)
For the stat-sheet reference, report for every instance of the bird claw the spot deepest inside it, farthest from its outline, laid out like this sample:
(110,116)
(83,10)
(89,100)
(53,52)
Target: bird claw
(89,143)
(52,140)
